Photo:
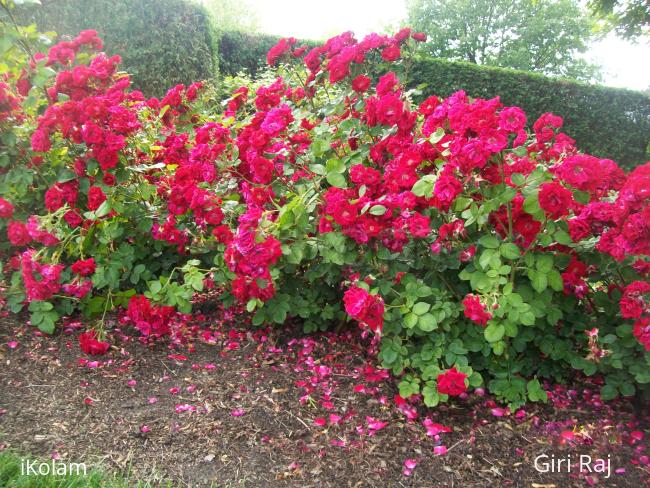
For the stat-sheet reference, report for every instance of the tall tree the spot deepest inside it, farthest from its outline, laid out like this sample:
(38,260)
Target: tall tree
(232,14)
(546,36)
(629,18)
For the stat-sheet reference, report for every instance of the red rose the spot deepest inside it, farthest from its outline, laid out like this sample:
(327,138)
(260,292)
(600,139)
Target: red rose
(364,307)
(475,310)
(108,179)
(452,382)
(90,345)
(95,197)
(361,83)
(6,209)
(391,53)
(84,267)
(18,234)
(555,200)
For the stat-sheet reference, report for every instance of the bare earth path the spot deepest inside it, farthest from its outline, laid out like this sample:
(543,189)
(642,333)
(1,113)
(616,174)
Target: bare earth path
(257,409)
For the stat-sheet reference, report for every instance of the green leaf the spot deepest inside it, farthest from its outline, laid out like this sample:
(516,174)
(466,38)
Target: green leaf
(555,280)
(421,308)
(427,323)
(544,263)
(424,186)
(377,210)
(431,395)
(437,136)
(510,251)
(538,280)
(410,320)
(336,179)
(489,242)
(335,165)
(608,392)
(494,332)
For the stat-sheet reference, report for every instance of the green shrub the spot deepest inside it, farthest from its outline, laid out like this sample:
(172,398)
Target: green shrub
(607,122)
(161,42)
(240,51)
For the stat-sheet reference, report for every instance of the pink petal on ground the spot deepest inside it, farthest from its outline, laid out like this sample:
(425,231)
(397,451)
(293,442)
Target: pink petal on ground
(177,357)
(132,383)
(180,408)
(434,428)
(238,412)
(636,435)
(320,421)
(440,450)
(410,463)
(335,419)
(12,344)
(374,424)
(144,429)
(498,412)
(174,390)
(152,400)
(568,435)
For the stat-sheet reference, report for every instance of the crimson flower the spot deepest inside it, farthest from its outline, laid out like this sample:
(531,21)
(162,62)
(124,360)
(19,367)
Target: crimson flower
(90,345)
(452,382)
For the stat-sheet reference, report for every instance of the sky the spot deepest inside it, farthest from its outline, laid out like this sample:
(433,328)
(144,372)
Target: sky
(623,62)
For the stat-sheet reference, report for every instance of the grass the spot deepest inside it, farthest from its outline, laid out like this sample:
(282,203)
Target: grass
(11,476)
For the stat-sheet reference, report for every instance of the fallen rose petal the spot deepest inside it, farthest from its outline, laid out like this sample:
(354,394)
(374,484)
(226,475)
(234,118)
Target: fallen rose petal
(144,429)
(410,463)
(374,424)
(498,412)
(238,412)
(320,421)
(12,344)
(440,450)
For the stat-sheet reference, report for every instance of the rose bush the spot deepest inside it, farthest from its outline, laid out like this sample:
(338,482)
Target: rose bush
(469,250)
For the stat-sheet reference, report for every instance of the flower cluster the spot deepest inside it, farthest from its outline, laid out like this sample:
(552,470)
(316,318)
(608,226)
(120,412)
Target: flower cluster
(366,308)
(150,320)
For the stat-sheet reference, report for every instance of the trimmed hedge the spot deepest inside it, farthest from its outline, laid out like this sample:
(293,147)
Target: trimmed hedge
(161,42)
(240,51)
(606,122)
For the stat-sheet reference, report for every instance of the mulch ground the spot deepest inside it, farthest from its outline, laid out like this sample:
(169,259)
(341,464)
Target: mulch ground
(238,407)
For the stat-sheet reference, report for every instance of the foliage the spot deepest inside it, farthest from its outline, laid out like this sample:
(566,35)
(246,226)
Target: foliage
(607,122)
(161,42)
(543,36)
(629,18)
(470,250)
(230,15)
(241,51)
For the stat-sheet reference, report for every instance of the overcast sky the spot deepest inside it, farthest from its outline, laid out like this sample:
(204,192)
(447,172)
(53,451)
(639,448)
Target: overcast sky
(624,64)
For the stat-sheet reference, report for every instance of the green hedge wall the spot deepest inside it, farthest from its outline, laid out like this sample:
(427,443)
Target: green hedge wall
(240,51)
(162,42)
(607,122)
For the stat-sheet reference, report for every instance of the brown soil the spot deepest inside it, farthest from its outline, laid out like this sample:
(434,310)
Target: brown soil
(43,410)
